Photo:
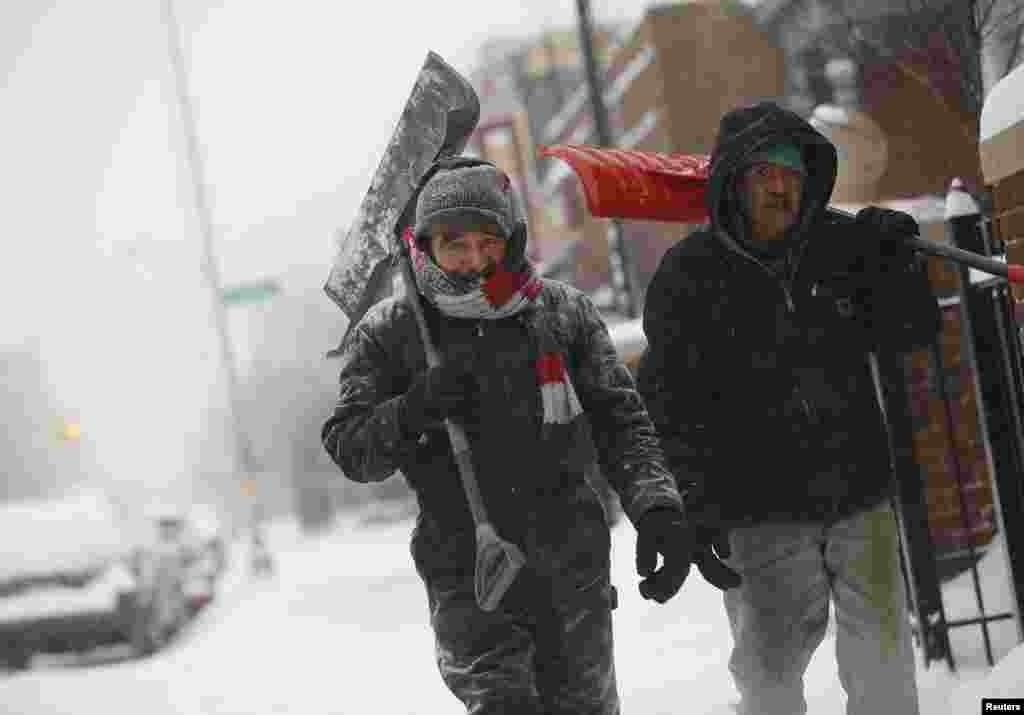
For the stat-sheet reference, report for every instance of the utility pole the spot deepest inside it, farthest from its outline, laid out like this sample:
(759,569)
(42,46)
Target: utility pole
(211,273)
(621,274)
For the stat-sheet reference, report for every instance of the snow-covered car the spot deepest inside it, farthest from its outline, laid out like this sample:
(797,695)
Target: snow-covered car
(196,534)
(77,573)
(162,604)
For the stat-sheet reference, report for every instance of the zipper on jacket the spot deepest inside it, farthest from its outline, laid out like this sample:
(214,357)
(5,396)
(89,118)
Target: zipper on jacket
(786,292)
(809,412)
(480,328)
(790,305)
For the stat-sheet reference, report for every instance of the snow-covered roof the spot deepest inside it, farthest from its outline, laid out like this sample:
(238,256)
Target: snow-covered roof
(1002,128)
(1004,105)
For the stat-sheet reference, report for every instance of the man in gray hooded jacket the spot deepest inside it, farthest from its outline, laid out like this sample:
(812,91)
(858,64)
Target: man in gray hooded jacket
(759,379)
(525,362)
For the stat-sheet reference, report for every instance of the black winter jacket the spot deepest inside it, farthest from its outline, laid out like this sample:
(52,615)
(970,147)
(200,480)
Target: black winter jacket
(535,498)
(759,382)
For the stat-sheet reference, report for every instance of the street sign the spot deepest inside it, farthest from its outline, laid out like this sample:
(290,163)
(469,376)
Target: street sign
(250,292)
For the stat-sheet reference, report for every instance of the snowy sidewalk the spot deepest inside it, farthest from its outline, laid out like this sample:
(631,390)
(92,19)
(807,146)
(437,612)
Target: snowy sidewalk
(341,628)
(674,658)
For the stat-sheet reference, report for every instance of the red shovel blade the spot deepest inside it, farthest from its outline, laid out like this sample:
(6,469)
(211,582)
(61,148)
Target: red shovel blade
(638,185)
(648,186)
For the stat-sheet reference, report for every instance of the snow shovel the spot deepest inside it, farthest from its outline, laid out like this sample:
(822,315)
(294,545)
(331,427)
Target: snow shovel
(652,186)
(437,121)
(438,118)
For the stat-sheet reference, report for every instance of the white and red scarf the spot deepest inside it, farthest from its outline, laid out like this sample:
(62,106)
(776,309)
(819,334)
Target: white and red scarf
(500,295)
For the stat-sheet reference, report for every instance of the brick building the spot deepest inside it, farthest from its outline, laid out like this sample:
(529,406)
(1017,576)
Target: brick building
(666,89)
(927,135)
(522,83)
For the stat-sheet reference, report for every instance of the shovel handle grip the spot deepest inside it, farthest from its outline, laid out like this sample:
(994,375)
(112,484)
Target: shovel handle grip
(1012,272)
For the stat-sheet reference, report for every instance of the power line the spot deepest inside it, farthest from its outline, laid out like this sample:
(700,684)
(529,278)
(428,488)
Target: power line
(211,273)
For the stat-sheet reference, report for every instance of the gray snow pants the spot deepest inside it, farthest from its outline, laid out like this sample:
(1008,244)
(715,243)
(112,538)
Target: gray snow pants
(791,572)
(528,661)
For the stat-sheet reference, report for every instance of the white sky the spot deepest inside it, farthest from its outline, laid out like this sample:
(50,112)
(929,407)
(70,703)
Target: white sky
(295,103)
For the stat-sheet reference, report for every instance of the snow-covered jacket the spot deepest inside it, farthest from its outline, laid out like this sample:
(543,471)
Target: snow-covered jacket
(535,496)
(759,381)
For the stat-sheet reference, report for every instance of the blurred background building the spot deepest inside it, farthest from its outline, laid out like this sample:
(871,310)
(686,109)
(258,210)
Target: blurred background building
(903,122)
(893,84)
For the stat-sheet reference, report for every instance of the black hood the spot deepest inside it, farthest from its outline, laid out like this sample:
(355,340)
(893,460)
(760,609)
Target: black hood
(742,132)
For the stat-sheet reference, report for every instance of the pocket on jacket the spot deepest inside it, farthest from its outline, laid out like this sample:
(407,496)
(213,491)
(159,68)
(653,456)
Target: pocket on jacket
(578,554)
(443,560)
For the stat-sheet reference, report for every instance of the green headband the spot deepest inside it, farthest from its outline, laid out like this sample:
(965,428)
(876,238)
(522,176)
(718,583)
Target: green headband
(786,155)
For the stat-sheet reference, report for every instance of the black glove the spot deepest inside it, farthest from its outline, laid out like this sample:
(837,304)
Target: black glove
(712,548)
(668,532)
(448,390)
(902,309)
(712,540)
(884,229)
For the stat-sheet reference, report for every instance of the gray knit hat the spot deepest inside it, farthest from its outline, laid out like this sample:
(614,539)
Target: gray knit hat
(469,197)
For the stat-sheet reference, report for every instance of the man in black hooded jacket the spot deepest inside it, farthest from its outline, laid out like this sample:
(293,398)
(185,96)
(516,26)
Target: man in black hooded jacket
(758,376)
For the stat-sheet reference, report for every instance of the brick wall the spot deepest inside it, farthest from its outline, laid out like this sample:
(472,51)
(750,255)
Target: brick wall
(695,77)
(704,74)
(940,452)
(927,145)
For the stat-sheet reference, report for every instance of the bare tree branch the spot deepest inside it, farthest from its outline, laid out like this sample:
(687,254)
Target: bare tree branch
(1010,22)
(982,12)
(1014,56)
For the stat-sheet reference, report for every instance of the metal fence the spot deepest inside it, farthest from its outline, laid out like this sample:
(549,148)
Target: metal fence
(958,438)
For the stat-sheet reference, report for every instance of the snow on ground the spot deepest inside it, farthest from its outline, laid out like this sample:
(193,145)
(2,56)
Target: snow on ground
(974,678)
(342,628)
(340,624)
(674,658)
